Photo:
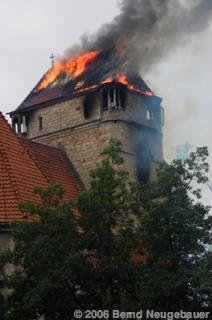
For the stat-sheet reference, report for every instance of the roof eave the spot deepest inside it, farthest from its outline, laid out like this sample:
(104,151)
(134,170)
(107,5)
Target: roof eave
(21,110)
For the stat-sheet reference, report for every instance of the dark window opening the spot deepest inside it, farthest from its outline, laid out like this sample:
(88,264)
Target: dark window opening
(143,164)
(2,306)
(15,124)
(123,99)
(105,100)
(40,123)
(118,103)
(112,96)
(89,104)
(2,283)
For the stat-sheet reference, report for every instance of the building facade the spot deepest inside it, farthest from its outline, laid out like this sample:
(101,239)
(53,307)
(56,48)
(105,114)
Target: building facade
(83,122)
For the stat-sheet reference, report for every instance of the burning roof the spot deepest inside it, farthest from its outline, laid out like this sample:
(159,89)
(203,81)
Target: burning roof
(144,32)
(87,72)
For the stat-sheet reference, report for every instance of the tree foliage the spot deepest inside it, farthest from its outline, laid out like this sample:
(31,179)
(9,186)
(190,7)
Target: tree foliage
(132,247)
(45,258)
(175,231)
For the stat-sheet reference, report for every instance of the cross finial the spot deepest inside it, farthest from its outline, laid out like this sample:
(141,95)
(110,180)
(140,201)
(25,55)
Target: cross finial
(52,59)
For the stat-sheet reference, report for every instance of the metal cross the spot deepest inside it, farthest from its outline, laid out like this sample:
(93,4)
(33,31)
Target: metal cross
(52,59)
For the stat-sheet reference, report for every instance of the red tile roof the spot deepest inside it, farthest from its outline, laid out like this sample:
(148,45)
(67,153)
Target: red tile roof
(23,165)
(56,167)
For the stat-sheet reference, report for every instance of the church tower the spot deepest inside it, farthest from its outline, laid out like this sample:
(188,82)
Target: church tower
(81,115)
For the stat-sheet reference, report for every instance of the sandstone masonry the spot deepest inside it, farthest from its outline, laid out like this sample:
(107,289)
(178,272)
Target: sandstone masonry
(83,125)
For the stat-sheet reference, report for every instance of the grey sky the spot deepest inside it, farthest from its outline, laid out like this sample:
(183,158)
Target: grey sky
(30,30)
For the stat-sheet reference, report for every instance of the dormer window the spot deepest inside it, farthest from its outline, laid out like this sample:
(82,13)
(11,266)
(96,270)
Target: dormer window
(113,98)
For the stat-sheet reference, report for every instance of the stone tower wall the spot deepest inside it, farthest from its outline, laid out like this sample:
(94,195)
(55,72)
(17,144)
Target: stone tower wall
(84,135)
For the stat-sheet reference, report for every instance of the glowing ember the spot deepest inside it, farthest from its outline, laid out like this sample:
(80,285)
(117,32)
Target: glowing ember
(74,67)
(88,88)
(149,93)
(123,79)
(108,80)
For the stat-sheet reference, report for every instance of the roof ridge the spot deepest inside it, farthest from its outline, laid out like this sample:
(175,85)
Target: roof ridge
(41,144)
(71,166)
(62,153)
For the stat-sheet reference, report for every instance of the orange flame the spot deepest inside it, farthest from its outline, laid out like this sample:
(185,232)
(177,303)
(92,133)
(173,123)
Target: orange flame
(74,67)
(123,79)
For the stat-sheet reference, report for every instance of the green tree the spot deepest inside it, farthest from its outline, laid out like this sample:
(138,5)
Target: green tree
(45,259)
(65,262)
(175,232)
(132,247)
(109,211)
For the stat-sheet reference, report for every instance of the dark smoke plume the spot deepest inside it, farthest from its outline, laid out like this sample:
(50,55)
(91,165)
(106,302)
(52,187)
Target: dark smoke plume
(147,31)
